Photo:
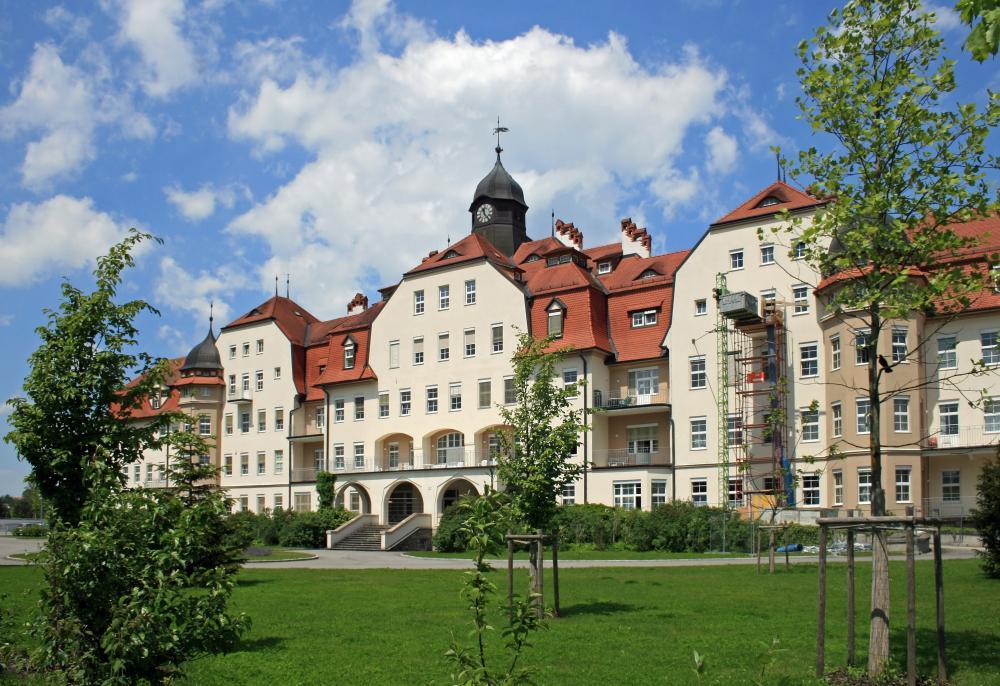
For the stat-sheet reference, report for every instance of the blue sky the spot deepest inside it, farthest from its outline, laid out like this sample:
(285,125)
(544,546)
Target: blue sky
(340,142)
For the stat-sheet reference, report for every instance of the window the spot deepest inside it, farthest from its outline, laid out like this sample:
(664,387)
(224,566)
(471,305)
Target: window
(735,491)
(279,461)
(260,346)
(450,448)
(864,485)
(700,307)
(768,298)
(699,378)
(443,352)
(470,342)
(810,425)
(393,354)
(455,397)
(359,455)
(302,502)
(246,349)
(644,318)
(509,392)
(204,425)
(349,355)
(232,352)
(260,503)
(318,462)
(383,404)
(657,493)
(444,297)
(699,433)
(485,394)
(628,495)
(259,380)
(767,254)
(837,412)
(991,352)
(228,422)
(947,353)
(810,489)
(899,351)
(951,485)
(902,484)
(338,456)
(835,352)
(809,359)
(261,464)
(838,487)
(136,473)
(570,378)
(861,346)
(948,413)
(279,419)
(321,417)
(245,381)
(470,292)
(405,401)
(244,464)
(227,465)
(991,415)
(393,455)
(244,503)
(418,302)
(555,325)
(418,351)
(901,415)
(799,251)
(279,501)
(734,430)
(649,274)
(603,267)
(359,409)
(497,335)
(569,494)
(643,440)
(432,399)
(800,298)
(338,410)
(736,259)
(699,491)
(232,384)
(862,406)
(244,422)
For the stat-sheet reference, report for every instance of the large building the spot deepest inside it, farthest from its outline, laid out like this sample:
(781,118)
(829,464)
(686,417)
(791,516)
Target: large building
(716,371)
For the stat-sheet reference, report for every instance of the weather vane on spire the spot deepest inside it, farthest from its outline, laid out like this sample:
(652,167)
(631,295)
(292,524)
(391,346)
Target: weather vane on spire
(211,313)
(498,130)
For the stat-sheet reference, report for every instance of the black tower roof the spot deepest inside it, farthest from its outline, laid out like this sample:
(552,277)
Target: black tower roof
(204,355)
(499,185)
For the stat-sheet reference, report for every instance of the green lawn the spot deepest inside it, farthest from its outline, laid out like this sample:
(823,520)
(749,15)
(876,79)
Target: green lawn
(635,626)
(281,555)
(601,555)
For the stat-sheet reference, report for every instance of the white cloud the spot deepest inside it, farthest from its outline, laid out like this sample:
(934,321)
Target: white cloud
(945,18)
(398,141)
(154,28)
(722,151)
(181,290)
(66,103)
(779,91)
(6,319)
(276,58)
(61,233)
(199,204)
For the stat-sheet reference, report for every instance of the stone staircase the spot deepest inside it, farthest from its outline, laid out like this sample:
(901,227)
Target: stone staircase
(366,538)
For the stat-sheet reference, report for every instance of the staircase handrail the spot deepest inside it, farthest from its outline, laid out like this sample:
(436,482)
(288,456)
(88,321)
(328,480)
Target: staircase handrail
(397,533)
(334,536)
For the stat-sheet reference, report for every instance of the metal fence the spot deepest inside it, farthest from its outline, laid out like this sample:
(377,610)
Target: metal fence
(8,525)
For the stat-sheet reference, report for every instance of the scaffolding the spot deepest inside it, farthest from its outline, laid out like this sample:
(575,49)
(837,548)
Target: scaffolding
(722,388)
(753,429)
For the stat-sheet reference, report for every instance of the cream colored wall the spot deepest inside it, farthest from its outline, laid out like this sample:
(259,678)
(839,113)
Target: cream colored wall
(692,335)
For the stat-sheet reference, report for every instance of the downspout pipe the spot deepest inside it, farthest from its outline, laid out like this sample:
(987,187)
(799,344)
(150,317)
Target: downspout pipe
(586,391)
(673,457)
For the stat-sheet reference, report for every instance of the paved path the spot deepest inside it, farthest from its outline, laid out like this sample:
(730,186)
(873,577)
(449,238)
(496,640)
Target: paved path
(350,559)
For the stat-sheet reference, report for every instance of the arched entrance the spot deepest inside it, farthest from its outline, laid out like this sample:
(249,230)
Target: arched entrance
(354,497)
(453,490)
(404,499)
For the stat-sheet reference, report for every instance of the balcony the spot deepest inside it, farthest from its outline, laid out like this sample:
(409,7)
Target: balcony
(965,437)
(629,402)
(155,482)
(621,457)
(304,475)
(445,458)
(239,396)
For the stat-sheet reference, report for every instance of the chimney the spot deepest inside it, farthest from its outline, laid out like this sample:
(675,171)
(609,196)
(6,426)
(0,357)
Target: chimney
(635,241)
(358,305)
(568,235)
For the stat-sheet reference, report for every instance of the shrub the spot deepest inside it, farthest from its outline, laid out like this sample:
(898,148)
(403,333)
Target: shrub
(986,517)
(451,537)
(31,531)
(308,529)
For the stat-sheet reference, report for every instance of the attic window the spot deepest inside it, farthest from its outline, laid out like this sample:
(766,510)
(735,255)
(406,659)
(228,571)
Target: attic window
(558,259)
(603,267)
(349,348)
(154,401)
(649,274)
(450,254)
(556,318)
(532,258)
(769,201)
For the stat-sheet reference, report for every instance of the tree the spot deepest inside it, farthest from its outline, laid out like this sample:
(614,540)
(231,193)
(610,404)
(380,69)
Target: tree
(902,169)
(78,389)
(983,16)
(986,516)
(326,484)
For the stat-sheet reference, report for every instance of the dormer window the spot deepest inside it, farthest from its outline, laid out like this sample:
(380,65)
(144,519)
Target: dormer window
(769,201)
(450,254)
(603,267)
(643,318)
(556,318)
(154,401)
(649,274)
(558,259)
(349,350)
(532,258)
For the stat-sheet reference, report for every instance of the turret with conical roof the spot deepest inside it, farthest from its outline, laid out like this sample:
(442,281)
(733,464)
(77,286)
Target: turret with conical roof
(203,357)
(498,209)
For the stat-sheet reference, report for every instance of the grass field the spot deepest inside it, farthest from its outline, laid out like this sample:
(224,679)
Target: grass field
(635,626)
(279,555)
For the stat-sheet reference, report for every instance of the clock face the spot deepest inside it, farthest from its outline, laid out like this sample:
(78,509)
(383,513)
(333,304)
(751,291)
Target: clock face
(484,213)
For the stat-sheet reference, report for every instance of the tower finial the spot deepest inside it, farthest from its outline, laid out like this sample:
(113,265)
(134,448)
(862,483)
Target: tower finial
(498,130)
(288,286)
(275,285)
(211,314)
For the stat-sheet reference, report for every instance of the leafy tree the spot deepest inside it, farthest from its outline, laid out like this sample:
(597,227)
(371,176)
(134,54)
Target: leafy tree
(78,389)
(984,18)
(325,485)
(901,169)
(986,516)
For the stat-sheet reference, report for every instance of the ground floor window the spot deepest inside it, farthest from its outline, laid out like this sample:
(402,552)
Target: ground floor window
(279,502)
(838,487)
(735,491)
(244,503)
(699,491)
(628,495)
(951,485)
(902,484)
(355,502)
(569,494)
(864,485)
(810,489)
(658,493)
(302,502)
(261,506)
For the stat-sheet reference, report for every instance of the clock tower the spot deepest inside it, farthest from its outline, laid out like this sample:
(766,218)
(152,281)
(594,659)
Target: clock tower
(498,209)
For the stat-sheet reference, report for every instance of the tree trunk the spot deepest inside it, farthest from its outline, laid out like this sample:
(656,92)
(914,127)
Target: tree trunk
(878,642)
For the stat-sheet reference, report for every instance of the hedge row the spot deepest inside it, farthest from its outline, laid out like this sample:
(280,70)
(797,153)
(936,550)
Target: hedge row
(675,527)
(290,528)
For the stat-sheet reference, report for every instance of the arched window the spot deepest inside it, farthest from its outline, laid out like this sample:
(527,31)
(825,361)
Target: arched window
(768,201)
(450,448)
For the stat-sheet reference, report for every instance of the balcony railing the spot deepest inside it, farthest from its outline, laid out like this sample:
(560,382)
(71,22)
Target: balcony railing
(155,482)
(445,458)
(965,437)
(622,457)
(953,508)
(616,400)
(239,395)
(304,474)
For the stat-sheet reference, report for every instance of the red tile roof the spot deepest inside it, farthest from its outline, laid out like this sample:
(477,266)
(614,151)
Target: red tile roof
(472,247)
(560,277)
(541,247)
(629,270)
(603,252)
(586,324)
(788,199)
(357,327)
(289,316)
(168,404)
(198,380)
